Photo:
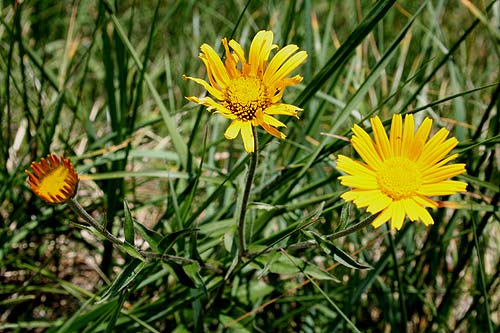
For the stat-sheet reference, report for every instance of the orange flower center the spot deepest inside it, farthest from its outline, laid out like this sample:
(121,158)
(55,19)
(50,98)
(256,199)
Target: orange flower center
(244,96)
(399,178)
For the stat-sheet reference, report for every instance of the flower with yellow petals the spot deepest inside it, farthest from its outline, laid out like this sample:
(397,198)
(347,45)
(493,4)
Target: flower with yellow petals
(248,90)
(53,179)
(401,172)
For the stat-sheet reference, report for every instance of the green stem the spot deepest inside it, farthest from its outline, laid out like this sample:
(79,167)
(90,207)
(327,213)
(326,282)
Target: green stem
(77,208)
(482,277)
(246,195)
(367,221)
(402,297)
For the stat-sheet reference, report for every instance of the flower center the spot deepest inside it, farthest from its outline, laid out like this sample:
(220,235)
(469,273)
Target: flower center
(52,183)
(399,178)
(244,96)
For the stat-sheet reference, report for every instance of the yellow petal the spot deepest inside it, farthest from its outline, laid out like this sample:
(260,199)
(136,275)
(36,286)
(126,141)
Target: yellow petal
(284,109)
(290,65)
(363,144)
(212,105)
(230,63)
(359,182)
(439,174)
(415,212)
(273,131)
(378,202)
(279,58)
(446,187)
(233,130)
(353,167)
(382,217)
(213,91)
(272,121)
(259,49)
(238,50)
(398,215)
(433,153)
(247,136)
(424,201)
(396,135)
(215,66)
(421,135)
(380,136)
(408,136)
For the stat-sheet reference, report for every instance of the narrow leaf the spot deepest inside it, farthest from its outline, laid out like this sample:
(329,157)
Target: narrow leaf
(128,224)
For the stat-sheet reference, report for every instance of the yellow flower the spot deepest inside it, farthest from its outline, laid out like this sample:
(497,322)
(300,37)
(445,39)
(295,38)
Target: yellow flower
(399,173)
(248,90)
(53,179)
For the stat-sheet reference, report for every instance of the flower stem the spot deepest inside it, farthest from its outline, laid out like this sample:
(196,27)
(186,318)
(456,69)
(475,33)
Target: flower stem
(246,195)
(77,208)
(402,297)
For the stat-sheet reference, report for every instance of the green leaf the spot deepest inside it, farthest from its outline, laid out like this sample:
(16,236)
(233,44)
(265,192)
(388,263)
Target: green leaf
(279,264)
(132,251)
(98,314)
(123,280)
(337,254)
(167,242)
(232,324)
(150,236)
(181,274)
(128,224)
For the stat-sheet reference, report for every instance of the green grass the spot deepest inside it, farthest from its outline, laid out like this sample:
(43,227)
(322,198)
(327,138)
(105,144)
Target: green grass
(101,82)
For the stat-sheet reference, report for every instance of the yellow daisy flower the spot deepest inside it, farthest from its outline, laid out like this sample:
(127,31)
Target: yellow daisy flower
(53,179)
(401,172)
(248,90)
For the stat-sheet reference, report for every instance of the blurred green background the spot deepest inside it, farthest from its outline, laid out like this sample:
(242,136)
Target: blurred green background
(101,82)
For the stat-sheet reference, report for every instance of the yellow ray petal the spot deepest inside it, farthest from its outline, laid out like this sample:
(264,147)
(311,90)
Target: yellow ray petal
(260,43)
(216,66)
(408,136)
(439,174)
(411,209)
(383,217)
(423,214)
(398,215)
(446,187)
(424,201)
(233,129)
(213,91)
(273,131)
(291,64)
(212,105)
(353,167)
(238,50)
(272,121)
(380,136)
(416,212)
(396,134)
(363,144)
(279,58)
(284,109)
(378,202)
(359,182)
(247,136)
(421,135)
(432,154)
(230,63)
